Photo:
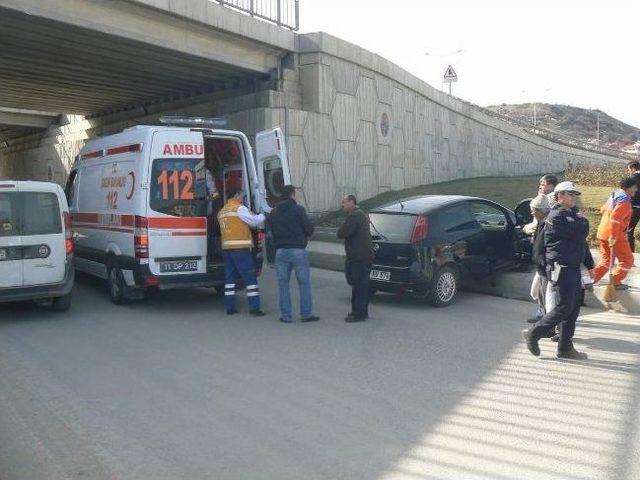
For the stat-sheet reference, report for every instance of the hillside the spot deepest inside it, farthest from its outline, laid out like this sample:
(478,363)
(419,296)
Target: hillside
(574,122)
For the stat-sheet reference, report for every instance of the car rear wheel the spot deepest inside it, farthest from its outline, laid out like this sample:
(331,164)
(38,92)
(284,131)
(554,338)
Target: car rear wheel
(445,286)
(61,304)
(115,285)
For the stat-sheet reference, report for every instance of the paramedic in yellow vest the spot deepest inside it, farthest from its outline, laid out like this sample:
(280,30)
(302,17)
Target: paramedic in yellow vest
(236,222)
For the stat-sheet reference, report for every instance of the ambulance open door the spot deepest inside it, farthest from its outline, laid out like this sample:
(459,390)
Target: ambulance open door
(272,165)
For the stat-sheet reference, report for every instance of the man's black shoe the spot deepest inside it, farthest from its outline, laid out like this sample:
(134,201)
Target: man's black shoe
(312,318)
(257,313)
(285,321)
(233,311)
(572,354)
(555,338)
(354,319)
(531,344)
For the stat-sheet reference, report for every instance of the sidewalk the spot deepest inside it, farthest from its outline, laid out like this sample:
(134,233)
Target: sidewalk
(515,285)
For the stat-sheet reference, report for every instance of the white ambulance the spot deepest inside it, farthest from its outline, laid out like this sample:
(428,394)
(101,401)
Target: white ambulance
(144,202)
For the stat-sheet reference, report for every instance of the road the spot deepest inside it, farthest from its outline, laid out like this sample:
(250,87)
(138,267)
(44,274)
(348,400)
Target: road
(171,388)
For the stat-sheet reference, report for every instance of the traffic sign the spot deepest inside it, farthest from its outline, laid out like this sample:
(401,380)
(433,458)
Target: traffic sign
(450,75)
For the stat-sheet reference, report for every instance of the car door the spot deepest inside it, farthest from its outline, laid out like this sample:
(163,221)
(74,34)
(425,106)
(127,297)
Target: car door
(11,273)
(462,234)
(272,165)
(498,232)
(43,237)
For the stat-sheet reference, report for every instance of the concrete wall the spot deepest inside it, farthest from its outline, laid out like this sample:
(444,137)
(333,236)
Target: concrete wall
(355,123)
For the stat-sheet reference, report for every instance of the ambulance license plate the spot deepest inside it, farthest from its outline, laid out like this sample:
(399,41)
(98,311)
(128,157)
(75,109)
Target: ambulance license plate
(179,266)
(380,275)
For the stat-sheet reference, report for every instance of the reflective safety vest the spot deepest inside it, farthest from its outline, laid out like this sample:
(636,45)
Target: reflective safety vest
(616,214)
(235,233)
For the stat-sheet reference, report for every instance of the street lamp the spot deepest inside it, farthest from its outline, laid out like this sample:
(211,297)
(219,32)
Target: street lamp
(535,116)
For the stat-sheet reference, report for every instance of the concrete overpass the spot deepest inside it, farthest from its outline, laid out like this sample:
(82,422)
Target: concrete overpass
(89,56)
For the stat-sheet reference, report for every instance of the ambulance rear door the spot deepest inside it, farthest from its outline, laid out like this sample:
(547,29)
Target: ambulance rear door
(272,167)
(176,218)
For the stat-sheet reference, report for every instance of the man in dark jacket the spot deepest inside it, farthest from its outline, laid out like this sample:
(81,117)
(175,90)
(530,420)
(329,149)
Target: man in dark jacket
(359,249)
(291,228)
(633,168)
(565,234)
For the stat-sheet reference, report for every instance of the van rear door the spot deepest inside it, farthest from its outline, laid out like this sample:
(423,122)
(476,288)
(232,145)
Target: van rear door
(43,238)
(176,218)
(11,273)
(272,165)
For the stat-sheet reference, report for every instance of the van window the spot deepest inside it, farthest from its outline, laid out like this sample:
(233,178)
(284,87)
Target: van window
(273,179)
(29,213)
(41,213)
(9,214)
(175,189)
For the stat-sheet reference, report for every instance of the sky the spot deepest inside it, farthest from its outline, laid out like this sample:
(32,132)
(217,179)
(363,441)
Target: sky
(580,53)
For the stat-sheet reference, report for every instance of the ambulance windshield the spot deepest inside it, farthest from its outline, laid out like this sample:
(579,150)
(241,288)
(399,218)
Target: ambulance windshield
(178,187)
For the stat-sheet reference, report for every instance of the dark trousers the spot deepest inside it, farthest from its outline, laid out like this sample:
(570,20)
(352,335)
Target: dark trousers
(239,263)
(568,290)
(635,217)
(357,273)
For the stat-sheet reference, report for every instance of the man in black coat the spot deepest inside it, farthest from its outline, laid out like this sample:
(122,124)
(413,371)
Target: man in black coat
(633,168)
(290,228)
(358,245)
(565,234)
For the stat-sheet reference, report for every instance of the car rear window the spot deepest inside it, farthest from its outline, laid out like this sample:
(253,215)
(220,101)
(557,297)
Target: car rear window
(177,188)
(393,227)
(29,213)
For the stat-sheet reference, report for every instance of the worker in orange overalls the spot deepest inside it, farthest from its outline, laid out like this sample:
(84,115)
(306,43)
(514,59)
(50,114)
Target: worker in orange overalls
(616,215)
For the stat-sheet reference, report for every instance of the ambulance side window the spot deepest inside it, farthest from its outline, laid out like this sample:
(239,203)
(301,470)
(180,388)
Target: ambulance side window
(273,179)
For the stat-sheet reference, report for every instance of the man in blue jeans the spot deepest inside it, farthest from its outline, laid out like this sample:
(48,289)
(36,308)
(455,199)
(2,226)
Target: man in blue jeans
(291,228)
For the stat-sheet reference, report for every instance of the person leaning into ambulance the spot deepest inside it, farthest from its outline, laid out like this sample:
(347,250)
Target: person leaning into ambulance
(565,234)
(236,222)
(612,236)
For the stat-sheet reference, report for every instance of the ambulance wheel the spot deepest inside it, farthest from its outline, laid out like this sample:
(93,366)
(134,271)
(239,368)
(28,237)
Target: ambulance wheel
(115,285)
(61,304)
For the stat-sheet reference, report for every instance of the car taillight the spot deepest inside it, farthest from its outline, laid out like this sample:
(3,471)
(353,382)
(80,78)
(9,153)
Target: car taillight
(68,233)
(261,237)
(420,229)
(141,237)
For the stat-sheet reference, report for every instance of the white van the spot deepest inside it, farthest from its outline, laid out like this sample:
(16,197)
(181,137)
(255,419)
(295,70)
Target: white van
(141,210)
(36,244)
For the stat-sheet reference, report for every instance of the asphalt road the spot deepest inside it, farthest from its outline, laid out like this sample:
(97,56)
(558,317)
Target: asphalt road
(171,388)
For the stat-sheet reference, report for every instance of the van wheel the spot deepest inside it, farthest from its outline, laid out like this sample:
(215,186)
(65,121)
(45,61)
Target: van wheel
(444,287)
(61,304)
(219,290)
(116,285)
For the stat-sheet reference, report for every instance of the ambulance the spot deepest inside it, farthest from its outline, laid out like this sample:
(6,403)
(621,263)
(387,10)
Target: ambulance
(144,202)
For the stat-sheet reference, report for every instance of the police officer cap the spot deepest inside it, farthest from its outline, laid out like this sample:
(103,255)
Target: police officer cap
(566,187)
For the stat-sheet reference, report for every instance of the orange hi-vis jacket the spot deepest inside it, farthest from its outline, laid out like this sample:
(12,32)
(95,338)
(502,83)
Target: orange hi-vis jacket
(235,233)
(616,215)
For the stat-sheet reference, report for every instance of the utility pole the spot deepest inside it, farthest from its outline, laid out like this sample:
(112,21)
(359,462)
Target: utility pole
(598,128)
(535,118)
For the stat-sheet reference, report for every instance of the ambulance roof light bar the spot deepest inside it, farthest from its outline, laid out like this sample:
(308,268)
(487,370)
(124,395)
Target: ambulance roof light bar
(178,121)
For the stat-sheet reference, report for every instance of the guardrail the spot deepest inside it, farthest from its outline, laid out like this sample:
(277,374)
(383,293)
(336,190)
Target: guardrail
(284,13)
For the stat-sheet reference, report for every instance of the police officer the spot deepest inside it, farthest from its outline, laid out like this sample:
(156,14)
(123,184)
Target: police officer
(565,234)
(236,222)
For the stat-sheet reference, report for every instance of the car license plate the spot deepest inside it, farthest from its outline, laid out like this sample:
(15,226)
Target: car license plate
(380,275)
(179,266)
